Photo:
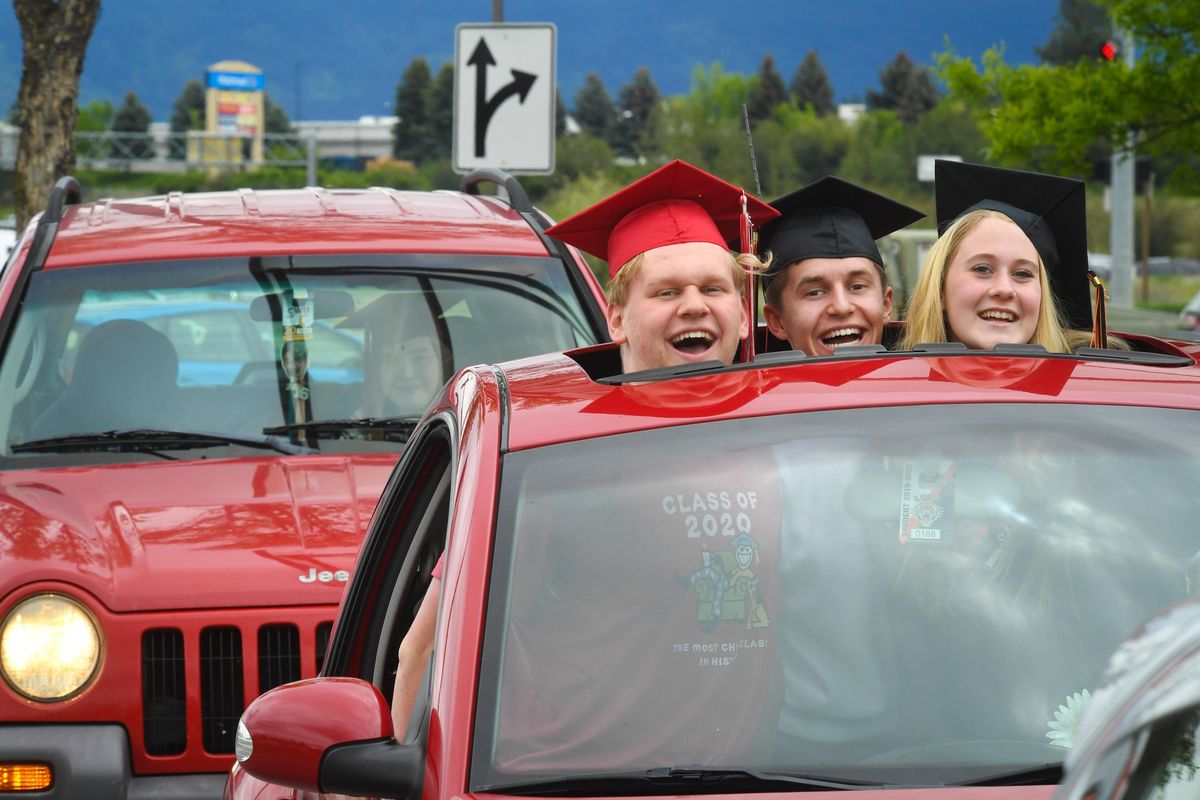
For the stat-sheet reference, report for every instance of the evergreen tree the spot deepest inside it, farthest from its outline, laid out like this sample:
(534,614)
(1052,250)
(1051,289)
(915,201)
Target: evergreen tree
(275,119)
(186,115)
(766,92)
(130,126)
(560,114)
(811,86)
(439,110)
(1079,30)
(639,103)
(410,136)
(594,109)
(907,89)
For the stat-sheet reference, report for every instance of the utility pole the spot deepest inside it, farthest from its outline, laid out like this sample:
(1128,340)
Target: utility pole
(1121,224)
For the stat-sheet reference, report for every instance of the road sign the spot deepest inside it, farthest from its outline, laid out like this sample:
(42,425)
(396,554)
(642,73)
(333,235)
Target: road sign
(504,99)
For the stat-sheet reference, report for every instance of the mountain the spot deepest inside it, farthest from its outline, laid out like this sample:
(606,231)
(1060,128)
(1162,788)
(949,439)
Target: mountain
(340,61)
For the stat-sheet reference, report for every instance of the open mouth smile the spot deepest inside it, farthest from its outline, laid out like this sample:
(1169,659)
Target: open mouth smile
(847,335)
(693,342)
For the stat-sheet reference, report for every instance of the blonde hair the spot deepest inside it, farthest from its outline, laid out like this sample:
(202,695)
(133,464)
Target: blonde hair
(926,317)
(739,265)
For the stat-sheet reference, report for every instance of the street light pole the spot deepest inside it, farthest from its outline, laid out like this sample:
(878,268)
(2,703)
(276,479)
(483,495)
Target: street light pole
(1121,225)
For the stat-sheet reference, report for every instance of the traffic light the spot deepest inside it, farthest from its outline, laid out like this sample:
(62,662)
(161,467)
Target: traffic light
(1108,50)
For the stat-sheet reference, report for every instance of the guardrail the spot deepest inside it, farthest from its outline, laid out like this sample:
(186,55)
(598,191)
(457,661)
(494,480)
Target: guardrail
(179,152)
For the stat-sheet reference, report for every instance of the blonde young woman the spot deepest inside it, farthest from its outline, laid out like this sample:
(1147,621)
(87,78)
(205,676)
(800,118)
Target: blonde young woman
(1010,265)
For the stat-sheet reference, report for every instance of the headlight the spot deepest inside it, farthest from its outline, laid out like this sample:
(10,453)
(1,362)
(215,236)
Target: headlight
(49,647)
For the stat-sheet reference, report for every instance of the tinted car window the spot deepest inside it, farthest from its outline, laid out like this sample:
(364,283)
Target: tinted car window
(913,595)
(236,348)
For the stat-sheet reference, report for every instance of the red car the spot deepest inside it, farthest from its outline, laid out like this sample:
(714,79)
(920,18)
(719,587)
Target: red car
(201,398)
(860,572)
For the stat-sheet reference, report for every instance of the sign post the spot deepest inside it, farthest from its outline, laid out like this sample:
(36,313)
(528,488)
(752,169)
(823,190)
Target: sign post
(504,98)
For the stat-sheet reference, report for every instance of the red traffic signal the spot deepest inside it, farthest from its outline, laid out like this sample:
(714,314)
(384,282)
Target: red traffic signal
(1108,50)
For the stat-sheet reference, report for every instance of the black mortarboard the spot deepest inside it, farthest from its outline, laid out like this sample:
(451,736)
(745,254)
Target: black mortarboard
(1048,208)
(831,218)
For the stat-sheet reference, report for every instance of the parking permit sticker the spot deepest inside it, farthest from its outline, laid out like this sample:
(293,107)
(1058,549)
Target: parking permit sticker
(926,504)
(298,319)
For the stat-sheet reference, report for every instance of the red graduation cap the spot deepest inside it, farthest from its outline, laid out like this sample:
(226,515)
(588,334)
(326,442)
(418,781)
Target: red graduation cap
(676,203)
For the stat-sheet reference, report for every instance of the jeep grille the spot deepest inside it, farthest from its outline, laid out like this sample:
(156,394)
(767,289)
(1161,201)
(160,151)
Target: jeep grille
(219,662)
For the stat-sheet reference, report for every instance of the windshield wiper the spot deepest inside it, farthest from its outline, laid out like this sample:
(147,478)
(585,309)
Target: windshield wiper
(153,439)
(689,780)
(1029,776)
(395,429)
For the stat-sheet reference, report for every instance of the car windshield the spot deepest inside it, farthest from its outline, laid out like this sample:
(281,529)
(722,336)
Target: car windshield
(333,357)
(914,595)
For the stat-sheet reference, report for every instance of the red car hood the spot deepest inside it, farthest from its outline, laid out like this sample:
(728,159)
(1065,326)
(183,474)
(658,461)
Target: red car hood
(198,534)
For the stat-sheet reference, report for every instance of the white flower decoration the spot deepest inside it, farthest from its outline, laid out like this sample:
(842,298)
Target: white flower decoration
(1066,719)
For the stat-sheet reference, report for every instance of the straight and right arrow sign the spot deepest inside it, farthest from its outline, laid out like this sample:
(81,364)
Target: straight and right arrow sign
(504,100)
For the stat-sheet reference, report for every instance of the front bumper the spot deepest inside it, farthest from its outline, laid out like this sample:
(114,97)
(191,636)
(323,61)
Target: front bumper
(93,761)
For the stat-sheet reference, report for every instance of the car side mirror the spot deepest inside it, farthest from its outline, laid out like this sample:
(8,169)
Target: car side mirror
(1137,738)
(330,735)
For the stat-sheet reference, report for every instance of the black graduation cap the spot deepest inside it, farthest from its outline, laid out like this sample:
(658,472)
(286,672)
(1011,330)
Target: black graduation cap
(1049,209)
(831,218)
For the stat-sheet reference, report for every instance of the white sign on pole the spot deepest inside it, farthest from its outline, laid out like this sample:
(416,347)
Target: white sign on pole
(504,99)
(925,166)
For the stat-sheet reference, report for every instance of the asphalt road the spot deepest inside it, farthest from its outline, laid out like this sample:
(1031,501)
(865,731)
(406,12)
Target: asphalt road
(1139,321)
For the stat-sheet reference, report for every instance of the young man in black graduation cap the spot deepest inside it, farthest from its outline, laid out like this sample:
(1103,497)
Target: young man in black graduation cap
(1010,264)
(676,293)
(827,285)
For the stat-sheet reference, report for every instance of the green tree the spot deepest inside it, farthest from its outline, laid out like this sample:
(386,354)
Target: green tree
(275,119)
(594,109)
(410,136)
(1079,29)
(54,38)
(130,126)
(439,111)
(907,88)
(636,126)
(879,154)
(95,117)
(811,86)
(705,128)
(560,114)
(797,146)
(187,114)
(766,90)
(1049,116)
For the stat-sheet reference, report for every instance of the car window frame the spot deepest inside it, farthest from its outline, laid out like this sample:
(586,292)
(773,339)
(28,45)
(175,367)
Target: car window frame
(408,533)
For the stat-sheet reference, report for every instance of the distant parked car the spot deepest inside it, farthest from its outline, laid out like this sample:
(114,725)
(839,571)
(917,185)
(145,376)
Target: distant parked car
(1190,315)
(201,398)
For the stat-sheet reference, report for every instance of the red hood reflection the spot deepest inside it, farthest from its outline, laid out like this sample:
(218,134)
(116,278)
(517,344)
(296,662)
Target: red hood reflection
(165,536)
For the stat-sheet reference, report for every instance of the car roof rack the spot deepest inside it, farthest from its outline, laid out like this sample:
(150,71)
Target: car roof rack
(518,199)
(66,192)
(858,352)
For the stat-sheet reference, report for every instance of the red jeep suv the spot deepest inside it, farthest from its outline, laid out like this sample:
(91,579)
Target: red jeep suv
(201,399)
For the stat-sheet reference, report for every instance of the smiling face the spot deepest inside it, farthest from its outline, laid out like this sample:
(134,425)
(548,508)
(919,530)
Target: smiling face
(825,302)
(993,287)
(682,306)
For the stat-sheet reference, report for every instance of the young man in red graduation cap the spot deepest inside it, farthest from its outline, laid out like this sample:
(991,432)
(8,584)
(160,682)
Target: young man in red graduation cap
(676,293)
(827,285)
